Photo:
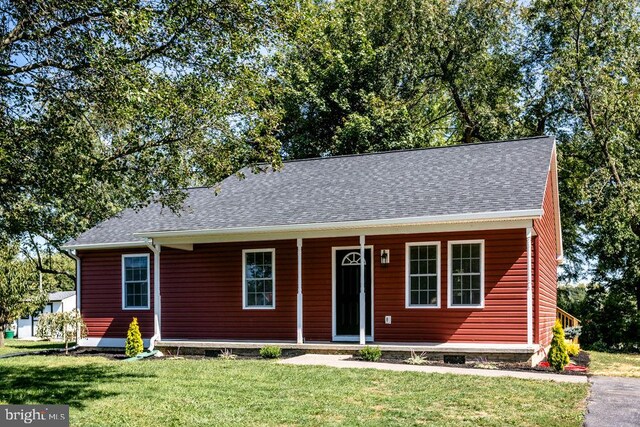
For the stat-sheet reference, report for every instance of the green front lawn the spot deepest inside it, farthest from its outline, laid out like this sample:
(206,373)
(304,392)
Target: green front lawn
(246,392)
(614,364)
(20,346)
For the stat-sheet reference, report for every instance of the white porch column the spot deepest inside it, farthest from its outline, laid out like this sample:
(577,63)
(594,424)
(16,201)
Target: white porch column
(363,304)
(529,288)
(299,338)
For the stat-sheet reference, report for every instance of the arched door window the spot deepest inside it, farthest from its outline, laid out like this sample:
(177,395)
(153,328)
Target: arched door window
(352,258)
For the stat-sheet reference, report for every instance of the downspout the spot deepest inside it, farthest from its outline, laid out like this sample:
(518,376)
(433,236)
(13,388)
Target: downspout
(529,289)
(155,248)
(74,255)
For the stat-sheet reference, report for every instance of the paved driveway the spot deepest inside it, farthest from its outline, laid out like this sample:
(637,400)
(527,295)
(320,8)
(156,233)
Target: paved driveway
(613,402)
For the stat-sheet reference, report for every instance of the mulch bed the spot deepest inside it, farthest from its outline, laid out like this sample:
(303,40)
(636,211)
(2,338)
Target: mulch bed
(582,360)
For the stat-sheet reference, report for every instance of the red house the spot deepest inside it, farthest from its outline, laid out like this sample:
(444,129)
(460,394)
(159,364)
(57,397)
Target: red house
(450,250)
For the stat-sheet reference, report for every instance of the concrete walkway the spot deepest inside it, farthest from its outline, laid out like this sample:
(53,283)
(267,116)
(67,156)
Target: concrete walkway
(613,401)
(342,361)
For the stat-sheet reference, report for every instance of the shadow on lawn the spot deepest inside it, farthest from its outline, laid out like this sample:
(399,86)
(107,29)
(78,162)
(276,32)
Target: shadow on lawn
(59,385)
(35,346)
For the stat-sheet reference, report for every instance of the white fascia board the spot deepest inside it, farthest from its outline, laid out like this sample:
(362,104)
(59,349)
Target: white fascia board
(428,220)
(350,232)
(114,245)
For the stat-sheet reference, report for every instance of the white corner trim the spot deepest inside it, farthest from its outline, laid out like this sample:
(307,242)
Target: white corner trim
(450,275)
(123,288)
(407,286)
(529,287)
(244,278)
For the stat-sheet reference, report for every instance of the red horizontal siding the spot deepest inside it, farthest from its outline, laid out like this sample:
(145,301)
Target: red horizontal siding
(503,318)
(101,295)
(547,268)
(202,292)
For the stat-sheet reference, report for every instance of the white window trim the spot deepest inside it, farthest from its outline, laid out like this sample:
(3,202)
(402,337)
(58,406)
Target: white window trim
(244,278)
(124,283)
(450,275)
(407,250)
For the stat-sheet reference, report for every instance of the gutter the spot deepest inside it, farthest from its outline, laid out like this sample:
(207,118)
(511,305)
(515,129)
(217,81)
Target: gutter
(424,220)
(528,214)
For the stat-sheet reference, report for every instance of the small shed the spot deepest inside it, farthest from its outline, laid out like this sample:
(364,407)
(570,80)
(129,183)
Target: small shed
(58,302)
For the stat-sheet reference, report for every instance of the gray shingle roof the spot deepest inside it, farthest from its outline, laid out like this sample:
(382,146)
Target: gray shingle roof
(462,179)
(59,296)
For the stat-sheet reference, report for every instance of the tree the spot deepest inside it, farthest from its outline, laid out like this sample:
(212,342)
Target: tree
(588,71)
(19,289)
(363,75)
(66,325)
(106,105)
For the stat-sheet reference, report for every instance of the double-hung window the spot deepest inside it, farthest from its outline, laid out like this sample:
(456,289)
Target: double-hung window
(423,275)
(259,278)
(135,282)
(466,274)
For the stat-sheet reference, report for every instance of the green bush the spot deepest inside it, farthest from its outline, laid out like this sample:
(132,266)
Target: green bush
(573,349)
(558,357)
(572,332)
(270,352)
(134,345)
(371,354)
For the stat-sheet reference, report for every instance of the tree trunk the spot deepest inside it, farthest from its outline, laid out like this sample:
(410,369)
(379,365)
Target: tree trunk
(1,336)
(638,296)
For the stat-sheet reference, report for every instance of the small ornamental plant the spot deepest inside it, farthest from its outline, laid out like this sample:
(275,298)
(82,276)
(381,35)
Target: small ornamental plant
(370,354)
(270,352)
(573,349)
(134,345)
(416,359)
(558,357)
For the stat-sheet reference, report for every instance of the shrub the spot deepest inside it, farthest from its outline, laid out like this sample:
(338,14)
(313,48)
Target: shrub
(572,332)
(573,349)
(371,354)
(416,359)
(134,345)
(558,357)
(270,352)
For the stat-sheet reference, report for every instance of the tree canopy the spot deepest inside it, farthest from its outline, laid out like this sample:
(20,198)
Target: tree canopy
(361,76)
(106,105)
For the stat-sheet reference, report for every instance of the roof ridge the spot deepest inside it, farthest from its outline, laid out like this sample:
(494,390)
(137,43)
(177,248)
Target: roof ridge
(497,141)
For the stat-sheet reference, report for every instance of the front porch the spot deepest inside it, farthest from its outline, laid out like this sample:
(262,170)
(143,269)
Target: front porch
(494,352)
